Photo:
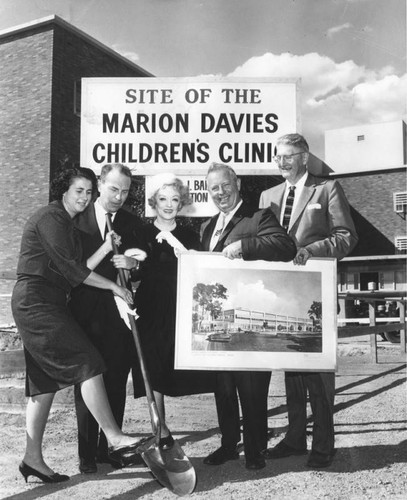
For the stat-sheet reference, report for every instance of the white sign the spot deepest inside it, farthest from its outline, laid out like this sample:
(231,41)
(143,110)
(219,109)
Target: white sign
(157,125)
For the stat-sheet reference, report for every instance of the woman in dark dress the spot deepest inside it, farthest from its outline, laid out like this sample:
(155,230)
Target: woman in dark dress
(156,298)
(57,352)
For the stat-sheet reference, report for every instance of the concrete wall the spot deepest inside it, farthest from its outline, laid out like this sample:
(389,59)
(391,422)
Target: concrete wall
(366,147)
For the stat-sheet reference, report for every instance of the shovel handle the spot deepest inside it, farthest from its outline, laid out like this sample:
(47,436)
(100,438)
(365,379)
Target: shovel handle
(155,419)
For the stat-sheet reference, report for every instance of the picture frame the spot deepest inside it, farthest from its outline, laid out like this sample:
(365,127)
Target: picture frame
(255,315)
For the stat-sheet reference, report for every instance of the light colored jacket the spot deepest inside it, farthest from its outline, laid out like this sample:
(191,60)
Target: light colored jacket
(321,221)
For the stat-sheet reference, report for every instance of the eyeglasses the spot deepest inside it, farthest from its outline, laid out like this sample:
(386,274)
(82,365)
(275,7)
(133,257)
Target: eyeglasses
(287,158)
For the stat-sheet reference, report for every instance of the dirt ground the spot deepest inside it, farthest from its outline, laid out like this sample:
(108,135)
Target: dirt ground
(371,441)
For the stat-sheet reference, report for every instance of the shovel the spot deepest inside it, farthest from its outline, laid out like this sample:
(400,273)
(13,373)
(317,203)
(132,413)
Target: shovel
(171,467)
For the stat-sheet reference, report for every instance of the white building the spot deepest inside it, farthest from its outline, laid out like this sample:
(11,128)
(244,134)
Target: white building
(363,148)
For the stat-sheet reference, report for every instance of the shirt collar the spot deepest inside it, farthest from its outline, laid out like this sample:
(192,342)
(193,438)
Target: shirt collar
(100,211)
(299,184)
(232,212)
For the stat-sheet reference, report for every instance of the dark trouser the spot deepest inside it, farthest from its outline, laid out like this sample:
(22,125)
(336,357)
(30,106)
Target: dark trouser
(321,390)
(252,388)
(117,349)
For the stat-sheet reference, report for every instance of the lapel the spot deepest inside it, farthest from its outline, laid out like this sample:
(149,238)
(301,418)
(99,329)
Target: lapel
(118,220)
(207,234)
(306,195)
(279,193)
(237,217)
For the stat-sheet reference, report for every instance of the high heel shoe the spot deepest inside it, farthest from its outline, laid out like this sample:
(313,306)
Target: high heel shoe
(166,442)
(27,471)
(124,456)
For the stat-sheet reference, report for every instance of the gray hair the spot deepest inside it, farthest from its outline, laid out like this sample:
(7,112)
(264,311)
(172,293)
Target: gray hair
(296,140)
(122,169)
(216,167)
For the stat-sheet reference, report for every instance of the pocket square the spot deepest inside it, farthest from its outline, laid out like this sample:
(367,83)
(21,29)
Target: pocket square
(314,206)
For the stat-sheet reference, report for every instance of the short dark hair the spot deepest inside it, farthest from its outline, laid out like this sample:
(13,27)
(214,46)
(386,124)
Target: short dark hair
(178,185)
(65,178)
(215,167)
(114,166)
(296,140)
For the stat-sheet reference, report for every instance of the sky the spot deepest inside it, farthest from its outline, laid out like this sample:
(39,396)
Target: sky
(265,291)
(349,54)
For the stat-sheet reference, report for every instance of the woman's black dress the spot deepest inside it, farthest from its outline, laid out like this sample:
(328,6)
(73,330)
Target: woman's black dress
(57,352)
(156,306)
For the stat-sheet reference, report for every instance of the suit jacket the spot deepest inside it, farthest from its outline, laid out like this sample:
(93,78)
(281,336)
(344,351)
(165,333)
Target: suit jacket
(87,300)
(262,236)
(321,221)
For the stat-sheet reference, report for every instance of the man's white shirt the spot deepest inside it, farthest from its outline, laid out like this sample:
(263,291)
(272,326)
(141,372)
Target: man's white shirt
(100,213)
(299,186)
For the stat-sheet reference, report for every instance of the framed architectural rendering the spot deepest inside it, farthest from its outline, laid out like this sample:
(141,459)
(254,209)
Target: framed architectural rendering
(255,315)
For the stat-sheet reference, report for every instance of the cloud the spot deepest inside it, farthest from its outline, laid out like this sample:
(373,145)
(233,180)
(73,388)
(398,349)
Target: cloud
(337,29)
(132,56)
(256,297)
(251,296)
(334,95)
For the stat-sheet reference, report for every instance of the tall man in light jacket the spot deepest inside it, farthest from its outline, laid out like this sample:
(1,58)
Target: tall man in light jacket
(316,214)
(241,232)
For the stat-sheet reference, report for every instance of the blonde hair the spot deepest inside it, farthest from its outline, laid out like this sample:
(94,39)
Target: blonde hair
(162,180)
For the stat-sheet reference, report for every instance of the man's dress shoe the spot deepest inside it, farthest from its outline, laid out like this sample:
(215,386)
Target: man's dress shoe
(87,465)
(221,455)
(282,450)
(104,459)
(320,460)
(255,463)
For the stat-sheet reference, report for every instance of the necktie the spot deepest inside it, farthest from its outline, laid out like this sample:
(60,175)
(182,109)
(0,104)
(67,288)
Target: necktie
(108,216)
(218,232)
(288,207)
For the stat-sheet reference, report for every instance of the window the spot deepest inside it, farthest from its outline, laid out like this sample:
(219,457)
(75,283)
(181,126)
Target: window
(77,93)
(360,138)
(400,202)
(401,244)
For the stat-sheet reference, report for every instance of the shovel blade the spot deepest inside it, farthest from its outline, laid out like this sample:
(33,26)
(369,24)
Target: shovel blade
(171,467)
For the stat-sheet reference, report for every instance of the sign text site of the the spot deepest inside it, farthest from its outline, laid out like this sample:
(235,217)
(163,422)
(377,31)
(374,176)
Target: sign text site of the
(182,125)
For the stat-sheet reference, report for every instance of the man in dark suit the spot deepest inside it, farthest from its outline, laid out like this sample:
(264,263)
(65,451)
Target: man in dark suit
(96,310)
(316,214)
(240,231)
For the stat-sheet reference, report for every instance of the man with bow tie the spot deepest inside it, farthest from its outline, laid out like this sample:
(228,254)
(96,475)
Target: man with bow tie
(316,214)
(240,231)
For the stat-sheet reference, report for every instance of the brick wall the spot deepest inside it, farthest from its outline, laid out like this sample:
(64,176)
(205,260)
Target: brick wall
(75,58)
(371,197)
(25,103)
(40,130)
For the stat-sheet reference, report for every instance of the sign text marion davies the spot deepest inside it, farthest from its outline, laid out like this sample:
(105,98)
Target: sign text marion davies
(154,123)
